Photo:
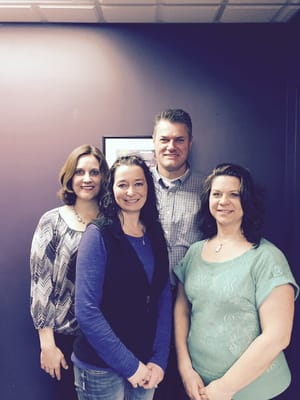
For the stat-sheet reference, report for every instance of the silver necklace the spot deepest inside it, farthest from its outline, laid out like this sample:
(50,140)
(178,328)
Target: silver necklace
(78,217)
(135,234)
(218,248)
(143,240)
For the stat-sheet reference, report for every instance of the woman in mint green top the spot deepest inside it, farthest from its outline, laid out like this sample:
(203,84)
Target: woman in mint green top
(235,303)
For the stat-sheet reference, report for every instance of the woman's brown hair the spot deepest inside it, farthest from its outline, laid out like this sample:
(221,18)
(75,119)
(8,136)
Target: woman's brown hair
(66,193)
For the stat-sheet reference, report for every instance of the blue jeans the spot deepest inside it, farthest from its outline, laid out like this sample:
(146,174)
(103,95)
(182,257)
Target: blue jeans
(107,385)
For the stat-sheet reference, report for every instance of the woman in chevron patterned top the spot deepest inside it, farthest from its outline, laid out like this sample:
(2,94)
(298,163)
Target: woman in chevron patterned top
(52,262)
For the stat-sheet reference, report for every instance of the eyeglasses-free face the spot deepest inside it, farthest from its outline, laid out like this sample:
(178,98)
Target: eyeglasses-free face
(86,182)
(172,145)
(130,188)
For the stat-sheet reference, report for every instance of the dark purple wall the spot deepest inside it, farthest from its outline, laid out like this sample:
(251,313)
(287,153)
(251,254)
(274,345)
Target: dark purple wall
(61,86)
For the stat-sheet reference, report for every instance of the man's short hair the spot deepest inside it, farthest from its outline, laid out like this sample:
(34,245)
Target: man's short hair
(175,115)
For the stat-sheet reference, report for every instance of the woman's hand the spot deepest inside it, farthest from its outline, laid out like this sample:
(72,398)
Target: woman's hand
(216,390)
(52,359)
(142,375)
(192,383)
(157,375)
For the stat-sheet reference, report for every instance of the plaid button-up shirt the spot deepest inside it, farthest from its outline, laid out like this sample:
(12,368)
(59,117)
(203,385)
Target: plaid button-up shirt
(179,206)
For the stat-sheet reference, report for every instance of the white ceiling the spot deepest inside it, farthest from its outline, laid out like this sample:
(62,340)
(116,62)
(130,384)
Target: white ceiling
(151,11)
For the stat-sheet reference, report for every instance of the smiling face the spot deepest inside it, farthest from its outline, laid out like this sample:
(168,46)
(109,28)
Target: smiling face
(86,181)
(130,188)
(172,145)
(224,200)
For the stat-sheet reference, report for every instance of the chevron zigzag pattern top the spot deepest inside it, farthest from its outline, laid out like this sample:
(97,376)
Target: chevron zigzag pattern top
(52,264)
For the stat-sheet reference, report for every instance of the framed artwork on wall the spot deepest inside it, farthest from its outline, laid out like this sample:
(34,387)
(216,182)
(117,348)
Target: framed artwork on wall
(114,147)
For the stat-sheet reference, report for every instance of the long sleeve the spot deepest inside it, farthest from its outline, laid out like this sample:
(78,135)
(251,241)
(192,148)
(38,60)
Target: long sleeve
(52,263)
(90,273)
(42,259)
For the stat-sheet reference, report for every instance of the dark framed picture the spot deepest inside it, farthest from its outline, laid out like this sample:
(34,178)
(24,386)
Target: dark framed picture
(114,147)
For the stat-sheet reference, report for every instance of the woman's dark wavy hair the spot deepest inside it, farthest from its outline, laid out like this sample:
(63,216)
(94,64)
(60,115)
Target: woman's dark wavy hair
(251,203)
(108,206)
(66,193)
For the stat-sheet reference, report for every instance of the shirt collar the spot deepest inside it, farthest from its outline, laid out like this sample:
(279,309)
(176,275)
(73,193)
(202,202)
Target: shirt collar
(175,181)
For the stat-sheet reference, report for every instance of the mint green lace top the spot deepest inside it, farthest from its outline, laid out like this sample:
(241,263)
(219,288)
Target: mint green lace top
(225,298)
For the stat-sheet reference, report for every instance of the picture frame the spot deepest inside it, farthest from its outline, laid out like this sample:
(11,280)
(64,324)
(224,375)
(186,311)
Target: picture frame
(116,146)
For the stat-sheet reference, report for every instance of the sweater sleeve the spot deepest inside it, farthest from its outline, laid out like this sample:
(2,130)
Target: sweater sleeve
(90,272)
(42,259)
(163,332)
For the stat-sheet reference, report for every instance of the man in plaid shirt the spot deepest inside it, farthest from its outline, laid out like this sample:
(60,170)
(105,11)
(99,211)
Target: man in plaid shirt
(178,195)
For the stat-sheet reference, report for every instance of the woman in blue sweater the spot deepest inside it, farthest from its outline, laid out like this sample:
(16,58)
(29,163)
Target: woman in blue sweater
(123,297)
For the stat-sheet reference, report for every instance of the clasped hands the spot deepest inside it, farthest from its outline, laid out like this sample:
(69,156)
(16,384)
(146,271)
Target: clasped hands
(147,376)
(196,389)
(216,390)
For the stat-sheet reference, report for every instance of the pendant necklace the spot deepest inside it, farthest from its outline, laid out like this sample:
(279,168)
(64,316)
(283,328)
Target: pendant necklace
(135,234)
(78,217)
(143,239)
(218,248)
